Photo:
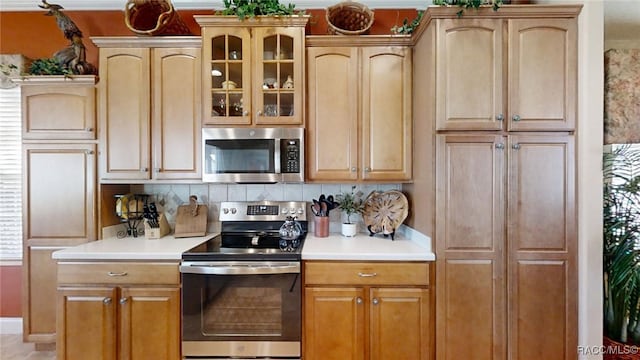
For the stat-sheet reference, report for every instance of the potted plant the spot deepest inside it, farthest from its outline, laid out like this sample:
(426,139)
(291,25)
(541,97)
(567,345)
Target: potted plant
(621,233)
(250,8)
(350,203)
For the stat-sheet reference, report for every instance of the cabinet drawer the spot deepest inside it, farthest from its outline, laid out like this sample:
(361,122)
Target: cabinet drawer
(366,273)
(118,273)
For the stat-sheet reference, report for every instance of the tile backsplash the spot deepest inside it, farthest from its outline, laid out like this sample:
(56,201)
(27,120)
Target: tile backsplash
(169,197)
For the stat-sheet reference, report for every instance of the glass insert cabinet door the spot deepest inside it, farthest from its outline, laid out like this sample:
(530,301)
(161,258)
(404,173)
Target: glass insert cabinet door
(278,83)
(227,77)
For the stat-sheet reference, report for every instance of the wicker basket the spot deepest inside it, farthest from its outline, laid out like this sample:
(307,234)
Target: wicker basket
(618,351)
(154,17)
(349,18)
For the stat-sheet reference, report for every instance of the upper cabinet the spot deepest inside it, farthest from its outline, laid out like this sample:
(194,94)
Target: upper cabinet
(252,70)
(359,116)
(56,108)
(149,110)
(511,74)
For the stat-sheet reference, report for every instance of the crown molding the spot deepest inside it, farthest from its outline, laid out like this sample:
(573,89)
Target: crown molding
(85,5)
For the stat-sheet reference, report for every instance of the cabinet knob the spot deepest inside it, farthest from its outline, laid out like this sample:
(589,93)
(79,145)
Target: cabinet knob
(375,301)
(106,301)
(499,117)
(144,169)
(89,152)
(353,169)
(245,113)
(358,300)
(89,129)
(157,170)
(500,146)
(367,169)
(516,118)
(123,300)
(259,112)
(516,146)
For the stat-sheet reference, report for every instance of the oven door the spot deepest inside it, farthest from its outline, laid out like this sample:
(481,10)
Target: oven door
(241,309)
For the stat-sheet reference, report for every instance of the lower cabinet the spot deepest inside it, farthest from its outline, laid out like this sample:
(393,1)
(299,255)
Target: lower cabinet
(118,311)
(367,310)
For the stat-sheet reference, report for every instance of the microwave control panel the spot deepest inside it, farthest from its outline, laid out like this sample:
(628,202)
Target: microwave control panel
(290,155)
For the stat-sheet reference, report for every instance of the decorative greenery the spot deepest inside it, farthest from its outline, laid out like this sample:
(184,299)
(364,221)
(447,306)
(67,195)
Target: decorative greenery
(466,4)
(406,27)
(250,8)
(6,69)
(350,203)
(621,232)
(47,66)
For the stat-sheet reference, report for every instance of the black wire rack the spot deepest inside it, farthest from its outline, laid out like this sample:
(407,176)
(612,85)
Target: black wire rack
(130,210)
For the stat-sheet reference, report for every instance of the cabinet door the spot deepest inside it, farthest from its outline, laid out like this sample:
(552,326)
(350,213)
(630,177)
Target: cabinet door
(386,113)
(470,298)
(38,294)
(279,64)
(226,58)
(334,323)
(543,283)
(87,323)
(543,72)
(332,136)
(59,195)
(124,113)
(176,113)
(469,74)
(399,324)
(60,110)
(150,323)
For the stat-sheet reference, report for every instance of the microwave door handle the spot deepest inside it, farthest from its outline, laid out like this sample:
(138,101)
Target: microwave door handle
(276,156)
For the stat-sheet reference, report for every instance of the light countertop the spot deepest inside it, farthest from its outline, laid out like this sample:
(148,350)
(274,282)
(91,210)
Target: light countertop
(130,248)
(368,248)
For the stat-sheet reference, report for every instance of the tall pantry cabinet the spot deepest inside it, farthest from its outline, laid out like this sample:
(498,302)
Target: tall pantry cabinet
(503,115)
(59,188)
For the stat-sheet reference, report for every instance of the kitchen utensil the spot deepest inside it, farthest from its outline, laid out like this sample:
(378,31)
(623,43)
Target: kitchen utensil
(323,209)
(315,207)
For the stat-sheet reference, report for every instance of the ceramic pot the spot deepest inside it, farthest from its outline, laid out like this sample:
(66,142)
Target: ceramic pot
(349,230)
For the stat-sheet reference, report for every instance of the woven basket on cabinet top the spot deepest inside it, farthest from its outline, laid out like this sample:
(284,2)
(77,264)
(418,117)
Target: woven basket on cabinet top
(349,18)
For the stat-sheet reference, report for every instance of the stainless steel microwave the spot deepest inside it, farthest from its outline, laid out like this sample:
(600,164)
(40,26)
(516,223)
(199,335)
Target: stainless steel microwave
(253,155)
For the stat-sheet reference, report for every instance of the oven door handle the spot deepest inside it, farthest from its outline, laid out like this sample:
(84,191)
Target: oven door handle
(240,268)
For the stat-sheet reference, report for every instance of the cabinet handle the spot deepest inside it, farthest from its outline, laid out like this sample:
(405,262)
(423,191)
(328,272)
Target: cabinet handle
(499,117)
(144,169)
(123,300)
(259,112)
(245,113)
(89,129)
(89,152)
(375,301)
(367,274)
(111,273)
(516,146)
(500,146)
(106,301)
(157,170)
(353,169)
(367,169)
(516,118)
(358,300)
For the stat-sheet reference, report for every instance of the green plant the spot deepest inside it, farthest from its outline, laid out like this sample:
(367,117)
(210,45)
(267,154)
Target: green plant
(408,27)
(621,233)
(47,66)
(467,4)
(350,203)
(6,69)
(250,8)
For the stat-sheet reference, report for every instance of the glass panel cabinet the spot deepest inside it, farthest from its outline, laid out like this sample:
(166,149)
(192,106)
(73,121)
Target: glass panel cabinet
(253,70)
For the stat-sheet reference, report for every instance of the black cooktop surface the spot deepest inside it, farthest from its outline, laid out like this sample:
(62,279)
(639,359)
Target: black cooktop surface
(246,246)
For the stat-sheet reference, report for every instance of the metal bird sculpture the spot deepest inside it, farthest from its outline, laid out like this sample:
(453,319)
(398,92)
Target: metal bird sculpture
(72,57)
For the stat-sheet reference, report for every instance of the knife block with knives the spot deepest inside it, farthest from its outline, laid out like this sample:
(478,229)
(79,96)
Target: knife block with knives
(191,220)
(158,229)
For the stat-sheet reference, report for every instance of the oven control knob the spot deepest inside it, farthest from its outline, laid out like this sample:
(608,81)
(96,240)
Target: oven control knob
(292,211)
(284,211)
(233,210)
(300,211)
(225,210)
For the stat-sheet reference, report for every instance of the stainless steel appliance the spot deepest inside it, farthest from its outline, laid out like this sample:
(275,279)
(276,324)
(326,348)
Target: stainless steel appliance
(241,291)
(253,155)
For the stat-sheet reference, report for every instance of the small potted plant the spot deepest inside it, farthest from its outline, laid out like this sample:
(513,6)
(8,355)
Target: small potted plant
(350,203)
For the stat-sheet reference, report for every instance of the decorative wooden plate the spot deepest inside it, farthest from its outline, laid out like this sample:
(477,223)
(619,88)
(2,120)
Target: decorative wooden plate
(385,211)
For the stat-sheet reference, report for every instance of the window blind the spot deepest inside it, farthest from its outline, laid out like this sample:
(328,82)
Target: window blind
(10,175)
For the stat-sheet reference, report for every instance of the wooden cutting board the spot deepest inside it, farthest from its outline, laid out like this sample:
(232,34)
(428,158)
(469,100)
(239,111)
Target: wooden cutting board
(191,220)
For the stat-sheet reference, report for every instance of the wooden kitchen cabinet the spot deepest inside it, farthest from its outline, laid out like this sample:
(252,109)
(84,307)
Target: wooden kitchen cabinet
(257,58)
(149,112)
(506,246)
(513,74)
(359,118)
(367,310)
(123,310)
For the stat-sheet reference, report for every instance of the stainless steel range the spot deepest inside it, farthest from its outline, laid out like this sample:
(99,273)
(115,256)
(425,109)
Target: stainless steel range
(241,291)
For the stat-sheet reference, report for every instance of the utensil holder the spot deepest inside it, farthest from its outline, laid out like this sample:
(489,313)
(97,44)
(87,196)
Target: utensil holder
(321,226)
